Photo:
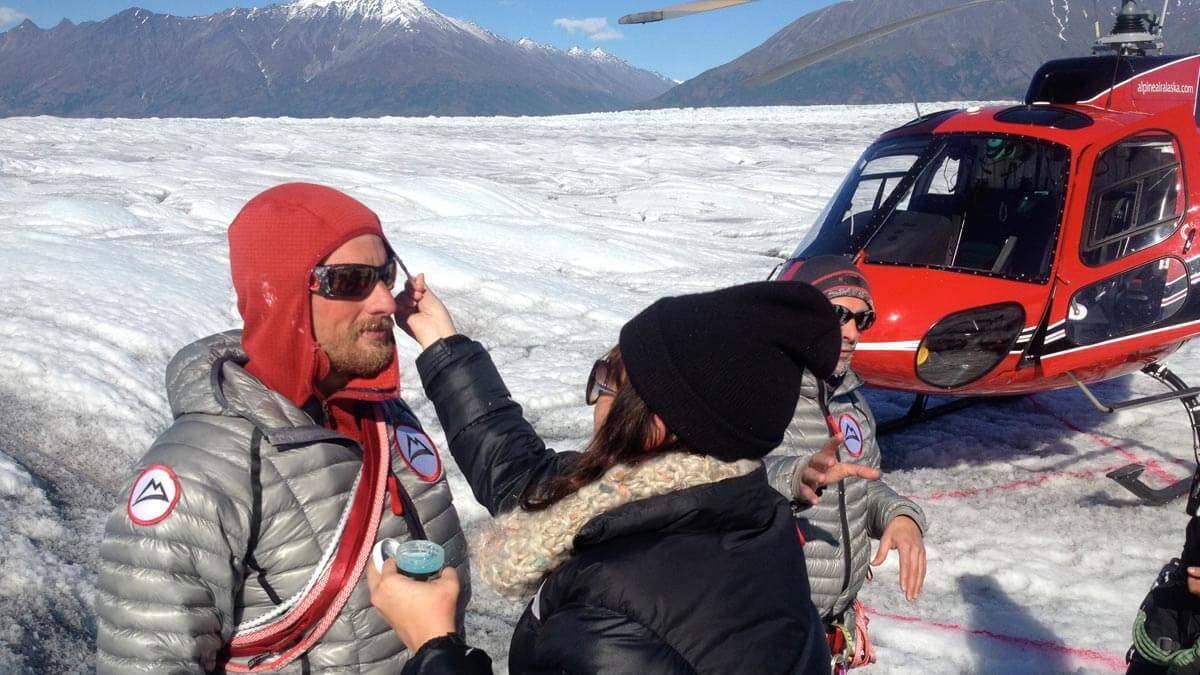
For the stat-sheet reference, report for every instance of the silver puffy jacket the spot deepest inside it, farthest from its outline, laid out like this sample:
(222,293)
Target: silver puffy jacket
(171,595)
(854,511)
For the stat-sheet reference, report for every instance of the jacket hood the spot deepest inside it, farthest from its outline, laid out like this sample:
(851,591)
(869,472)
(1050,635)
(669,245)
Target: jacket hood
(841,384)
(675,490)
(208,377)
(736,503)
(274,242)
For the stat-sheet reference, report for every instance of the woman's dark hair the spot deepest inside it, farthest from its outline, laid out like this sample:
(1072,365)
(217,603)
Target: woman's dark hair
(623,438)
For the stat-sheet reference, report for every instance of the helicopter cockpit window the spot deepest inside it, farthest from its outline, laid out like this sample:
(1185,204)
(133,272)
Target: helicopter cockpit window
(978,203)
(945,178)
(842,227)
(879,176)
(1129,302)
(1136,198)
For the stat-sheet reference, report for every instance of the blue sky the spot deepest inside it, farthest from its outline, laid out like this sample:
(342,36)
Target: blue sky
(681,49)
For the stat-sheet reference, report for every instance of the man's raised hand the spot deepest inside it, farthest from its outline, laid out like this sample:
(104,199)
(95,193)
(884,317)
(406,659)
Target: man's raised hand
(824,468)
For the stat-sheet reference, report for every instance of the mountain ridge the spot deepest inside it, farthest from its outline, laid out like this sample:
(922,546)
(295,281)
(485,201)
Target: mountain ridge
(309,58)
(986,52)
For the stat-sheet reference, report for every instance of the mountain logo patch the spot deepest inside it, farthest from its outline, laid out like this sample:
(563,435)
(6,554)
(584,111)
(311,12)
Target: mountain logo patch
(418,452)
(853,434)
(154,495)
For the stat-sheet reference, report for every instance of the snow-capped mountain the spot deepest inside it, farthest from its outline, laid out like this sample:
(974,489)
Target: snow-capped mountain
(309,58)
(387,11)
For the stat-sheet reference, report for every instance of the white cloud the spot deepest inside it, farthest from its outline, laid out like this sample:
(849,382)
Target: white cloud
(596,28)
(607,34)
(586,25)
(10,15)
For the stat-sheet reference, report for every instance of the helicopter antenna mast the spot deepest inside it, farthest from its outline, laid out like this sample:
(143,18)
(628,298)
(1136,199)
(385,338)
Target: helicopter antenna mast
(1133,34)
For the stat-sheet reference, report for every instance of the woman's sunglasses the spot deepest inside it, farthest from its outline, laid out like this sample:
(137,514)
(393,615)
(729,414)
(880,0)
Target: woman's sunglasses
(353,281)
(864,319)
(597,384)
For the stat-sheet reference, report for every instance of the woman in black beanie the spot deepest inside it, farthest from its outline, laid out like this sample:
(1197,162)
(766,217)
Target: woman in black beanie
(660,548)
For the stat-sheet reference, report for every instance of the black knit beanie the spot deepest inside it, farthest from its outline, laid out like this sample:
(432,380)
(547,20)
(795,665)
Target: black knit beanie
(833,275)
(722,369)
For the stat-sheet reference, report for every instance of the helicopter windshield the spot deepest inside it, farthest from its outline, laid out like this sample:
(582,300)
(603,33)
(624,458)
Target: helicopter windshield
(987,204)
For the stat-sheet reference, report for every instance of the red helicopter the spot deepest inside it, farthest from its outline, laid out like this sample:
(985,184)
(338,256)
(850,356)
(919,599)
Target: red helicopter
(1052,244)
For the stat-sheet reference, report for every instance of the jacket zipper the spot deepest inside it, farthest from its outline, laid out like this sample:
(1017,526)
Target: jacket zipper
(845,534)
(824,396)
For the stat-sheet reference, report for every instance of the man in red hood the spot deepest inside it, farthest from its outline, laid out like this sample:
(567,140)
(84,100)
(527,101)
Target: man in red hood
(242,539)
(304,341)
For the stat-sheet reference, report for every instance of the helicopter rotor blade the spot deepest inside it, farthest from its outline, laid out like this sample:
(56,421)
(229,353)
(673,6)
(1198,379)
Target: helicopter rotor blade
(836,48)
(676,11)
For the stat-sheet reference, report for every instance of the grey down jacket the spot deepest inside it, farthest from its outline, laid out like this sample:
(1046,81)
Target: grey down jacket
(836,571)
(171,595)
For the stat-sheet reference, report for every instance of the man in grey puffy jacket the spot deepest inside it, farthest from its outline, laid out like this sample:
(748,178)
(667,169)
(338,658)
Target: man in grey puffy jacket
(839,524)
(242,536)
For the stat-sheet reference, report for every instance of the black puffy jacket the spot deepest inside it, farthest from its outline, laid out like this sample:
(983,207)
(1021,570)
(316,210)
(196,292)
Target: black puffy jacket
(704,580)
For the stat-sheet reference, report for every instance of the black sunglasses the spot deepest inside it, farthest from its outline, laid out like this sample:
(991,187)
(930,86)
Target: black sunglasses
(597,383)
(864,319)
(353,281)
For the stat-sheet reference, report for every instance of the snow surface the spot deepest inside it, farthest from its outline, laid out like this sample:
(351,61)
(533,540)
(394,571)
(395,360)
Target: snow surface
(543,235)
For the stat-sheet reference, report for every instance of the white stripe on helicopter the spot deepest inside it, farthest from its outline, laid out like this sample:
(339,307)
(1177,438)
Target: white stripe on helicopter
(1097,97)
(1122,339)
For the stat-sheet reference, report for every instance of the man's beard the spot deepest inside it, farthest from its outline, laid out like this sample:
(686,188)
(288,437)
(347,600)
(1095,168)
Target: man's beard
(843,363)
(348,357)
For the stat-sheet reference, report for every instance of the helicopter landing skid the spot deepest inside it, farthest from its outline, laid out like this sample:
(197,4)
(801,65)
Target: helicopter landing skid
(918,412)
(1130,475)
(1130,478)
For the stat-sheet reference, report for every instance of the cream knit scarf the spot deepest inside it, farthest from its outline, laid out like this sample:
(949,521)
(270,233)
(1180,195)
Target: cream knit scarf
(521,547)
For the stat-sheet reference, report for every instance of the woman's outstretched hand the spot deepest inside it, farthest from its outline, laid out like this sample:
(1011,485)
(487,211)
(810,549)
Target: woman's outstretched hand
(421,313)
(418,611)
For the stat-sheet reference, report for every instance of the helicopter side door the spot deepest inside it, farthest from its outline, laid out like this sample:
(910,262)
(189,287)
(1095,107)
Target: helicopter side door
(1122,288)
